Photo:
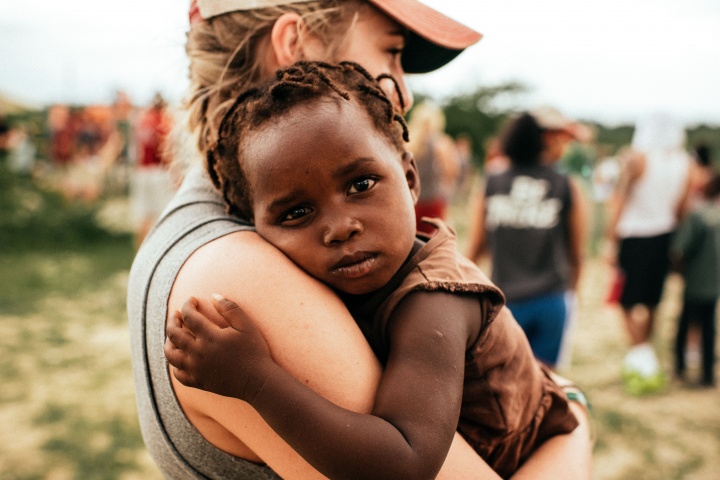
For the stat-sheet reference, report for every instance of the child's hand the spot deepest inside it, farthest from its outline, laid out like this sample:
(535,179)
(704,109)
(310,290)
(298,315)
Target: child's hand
(228,361)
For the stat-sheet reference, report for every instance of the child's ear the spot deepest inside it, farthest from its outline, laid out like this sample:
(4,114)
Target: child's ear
(411,175)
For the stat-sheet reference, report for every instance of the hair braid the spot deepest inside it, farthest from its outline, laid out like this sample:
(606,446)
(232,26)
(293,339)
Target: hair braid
(300,83)
(401,99)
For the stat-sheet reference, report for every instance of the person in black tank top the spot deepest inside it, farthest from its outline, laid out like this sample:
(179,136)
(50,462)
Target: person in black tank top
(530,218)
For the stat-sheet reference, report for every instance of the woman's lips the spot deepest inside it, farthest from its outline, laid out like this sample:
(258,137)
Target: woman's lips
(355,265)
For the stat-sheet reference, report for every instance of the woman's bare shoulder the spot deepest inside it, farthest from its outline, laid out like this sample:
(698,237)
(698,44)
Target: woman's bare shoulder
(232,263)
(306,325)
(309,331)
(244,249)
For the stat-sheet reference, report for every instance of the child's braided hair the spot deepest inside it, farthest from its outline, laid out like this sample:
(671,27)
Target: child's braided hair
(292,86)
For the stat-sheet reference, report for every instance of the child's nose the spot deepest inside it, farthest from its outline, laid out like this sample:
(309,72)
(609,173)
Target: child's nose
(341,230)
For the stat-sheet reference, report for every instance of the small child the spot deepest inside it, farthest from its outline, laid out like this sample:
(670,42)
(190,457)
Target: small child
(316,160)
(695,251)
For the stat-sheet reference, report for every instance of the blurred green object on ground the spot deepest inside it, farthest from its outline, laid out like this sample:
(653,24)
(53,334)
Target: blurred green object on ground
(636,384)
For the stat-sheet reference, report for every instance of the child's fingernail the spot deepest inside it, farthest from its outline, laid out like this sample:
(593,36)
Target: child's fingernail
(218,297)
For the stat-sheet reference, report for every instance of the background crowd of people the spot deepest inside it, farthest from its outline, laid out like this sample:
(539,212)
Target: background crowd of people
(87,152)
(659,178)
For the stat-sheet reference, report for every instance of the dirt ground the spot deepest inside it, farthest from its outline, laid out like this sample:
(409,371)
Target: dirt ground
(673,434)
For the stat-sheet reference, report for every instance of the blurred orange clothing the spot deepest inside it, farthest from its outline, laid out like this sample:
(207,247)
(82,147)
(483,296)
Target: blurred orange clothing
(153,129)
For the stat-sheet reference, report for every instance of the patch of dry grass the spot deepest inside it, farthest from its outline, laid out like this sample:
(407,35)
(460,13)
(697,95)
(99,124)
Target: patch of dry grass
(67,402)
(673,434)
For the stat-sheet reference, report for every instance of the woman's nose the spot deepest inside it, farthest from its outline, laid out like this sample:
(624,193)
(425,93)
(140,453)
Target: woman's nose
(407,95)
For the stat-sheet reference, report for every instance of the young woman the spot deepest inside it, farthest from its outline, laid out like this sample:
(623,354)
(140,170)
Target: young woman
(531,219)
(197,249)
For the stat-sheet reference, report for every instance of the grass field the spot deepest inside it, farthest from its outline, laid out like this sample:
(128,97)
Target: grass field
(67,406)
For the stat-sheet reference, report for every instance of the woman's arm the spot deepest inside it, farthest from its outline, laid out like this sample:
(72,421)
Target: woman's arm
(310,334)
(562,457)
(632,168)
(413,421)
(319,345)
(577,220)
(309,331)
(476,239)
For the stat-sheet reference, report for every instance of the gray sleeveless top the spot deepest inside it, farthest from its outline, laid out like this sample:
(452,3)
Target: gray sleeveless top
(193,218)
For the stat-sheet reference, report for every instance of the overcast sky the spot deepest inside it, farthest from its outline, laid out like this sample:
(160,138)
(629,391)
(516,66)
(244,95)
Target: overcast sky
(605,60)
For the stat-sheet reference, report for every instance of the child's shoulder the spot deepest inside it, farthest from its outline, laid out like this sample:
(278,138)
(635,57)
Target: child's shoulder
(439,263)
(439,267)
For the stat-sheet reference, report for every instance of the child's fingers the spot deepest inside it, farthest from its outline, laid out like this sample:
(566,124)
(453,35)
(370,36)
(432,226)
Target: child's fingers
(178,360)
(230,311)
(180,337)
(184,377)
(193,320)
(174,355)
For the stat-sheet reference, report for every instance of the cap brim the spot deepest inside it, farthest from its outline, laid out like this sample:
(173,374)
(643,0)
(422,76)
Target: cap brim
(434,38)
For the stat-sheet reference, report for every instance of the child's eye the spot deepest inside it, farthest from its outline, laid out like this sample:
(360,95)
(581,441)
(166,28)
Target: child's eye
(295,213)
(361,185)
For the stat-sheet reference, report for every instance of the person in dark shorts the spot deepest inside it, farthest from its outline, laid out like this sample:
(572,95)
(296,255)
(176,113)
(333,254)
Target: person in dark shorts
(649,201)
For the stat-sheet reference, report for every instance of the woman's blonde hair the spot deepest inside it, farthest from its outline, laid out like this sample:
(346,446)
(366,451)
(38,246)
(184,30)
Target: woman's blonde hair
(227,54)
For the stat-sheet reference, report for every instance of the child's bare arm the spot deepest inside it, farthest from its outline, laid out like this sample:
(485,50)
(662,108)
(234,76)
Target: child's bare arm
(417,406)
(232,362)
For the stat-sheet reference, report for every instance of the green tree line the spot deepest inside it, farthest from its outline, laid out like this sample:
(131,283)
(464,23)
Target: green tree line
(477,115)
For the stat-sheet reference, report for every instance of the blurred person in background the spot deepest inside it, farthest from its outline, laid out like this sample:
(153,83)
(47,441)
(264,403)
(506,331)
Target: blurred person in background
(63,123)
(604,177)
(437,160)
(468,162)
(122,116)
(495,159)
(702,171)
(4,136)
(17,151)
(695,253)
(124,153)
(644,210)
(92,155)
(21,150)
(152,184)
(531,221)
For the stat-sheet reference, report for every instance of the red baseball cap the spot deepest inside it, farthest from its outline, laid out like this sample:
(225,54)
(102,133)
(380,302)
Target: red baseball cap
(433,39)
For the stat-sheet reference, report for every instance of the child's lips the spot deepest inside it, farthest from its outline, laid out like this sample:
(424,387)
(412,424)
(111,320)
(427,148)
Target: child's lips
(355,265)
